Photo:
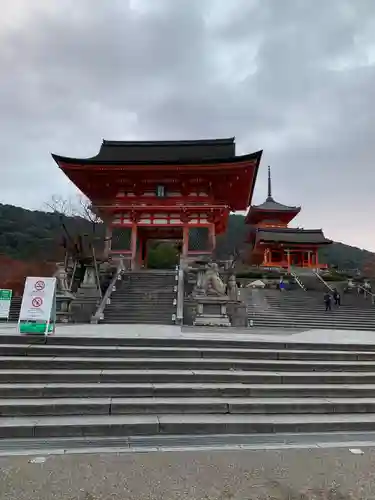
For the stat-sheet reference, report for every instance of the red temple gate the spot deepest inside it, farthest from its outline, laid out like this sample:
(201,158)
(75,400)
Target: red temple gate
(168,190)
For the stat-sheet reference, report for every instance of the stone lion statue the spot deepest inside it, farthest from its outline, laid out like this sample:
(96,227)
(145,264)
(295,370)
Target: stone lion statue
(212,283)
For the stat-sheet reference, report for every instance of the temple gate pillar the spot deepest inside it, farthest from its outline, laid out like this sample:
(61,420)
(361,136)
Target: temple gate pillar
(212,237)
(140,251)
(288,257)
(107,241)
(266,257)
(185,240)
(133,246)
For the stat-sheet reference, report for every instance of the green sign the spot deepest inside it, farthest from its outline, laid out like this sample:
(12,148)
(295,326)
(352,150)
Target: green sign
(36,327)
(5,300)
(5,294)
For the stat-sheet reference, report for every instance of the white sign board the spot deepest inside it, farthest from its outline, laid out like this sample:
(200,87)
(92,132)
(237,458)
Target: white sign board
(39,300)
(5,300)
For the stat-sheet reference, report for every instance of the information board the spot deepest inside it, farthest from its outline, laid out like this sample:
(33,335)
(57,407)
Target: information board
(5,300)
(38,308)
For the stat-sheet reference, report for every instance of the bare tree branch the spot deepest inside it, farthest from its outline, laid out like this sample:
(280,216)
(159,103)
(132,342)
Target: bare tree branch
(60,205)
(78,206)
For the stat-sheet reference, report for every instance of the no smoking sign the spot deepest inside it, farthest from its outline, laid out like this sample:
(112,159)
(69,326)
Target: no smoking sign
(39,285)
(37,301)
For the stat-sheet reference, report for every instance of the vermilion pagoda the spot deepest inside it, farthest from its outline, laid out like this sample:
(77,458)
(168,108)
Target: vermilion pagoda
(274,244)
(179,190)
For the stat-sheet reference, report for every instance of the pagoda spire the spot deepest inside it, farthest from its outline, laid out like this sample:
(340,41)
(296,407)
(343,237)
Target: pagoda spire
(269,196)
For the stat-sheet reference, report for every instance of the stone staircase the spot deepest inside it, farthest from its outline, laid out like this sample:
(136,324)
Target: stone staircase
(143,297)
(269,308)
(310,281)
(71,387)
(15,308)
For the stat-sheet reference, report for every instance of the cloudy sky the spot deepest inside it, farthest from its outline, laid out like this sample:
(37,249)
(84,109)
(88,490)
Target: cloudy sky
(295,78)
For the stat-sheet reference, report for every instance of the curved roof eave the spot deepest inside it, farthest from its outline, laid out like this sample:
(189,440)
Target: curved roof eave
(93,161)
(274,206)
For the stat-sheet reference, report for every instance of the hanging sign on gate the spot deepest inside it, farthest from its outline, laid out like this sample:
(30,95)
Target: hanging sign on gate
(38,308)
(5,300)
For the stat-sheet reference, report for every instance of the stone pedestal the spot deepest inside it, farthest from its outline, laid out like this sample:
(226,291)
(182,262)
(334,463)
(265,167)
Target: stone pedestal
(63,301)
(87,298)
(211,311)
(237,313)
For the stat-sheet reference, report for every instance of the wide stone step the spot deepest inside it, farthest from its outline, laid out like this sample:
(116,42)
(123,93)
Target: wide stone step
(318,312)
(155,405)
(184,376)
(321,315)
(180,352)
(183,390)
(137,321)
(177,424)
(139,315)
(313,326)
(220,341)
(310,318)
(122,363)
(298,327)
(305,323)
(120,311)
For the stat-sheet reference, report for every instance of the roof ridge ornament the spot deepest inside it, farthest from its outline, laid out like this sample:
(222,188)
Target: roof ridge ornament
(269,196)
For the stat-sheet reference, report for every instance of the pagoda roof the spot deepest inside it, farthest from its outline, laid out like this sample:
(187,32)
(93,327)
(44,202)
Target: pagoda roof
(271,209)
(292,235)
(270,205)
(160,152)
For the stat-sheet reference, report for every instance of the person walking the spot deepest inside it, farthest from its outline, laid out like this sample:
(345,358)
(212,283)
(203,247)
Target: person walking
(281,284)
(336,297)
(327,301)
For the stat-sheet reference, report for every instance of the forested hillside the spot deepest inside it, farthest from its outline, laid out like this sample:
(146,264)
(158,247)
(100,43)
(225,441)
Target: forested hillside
(36,236)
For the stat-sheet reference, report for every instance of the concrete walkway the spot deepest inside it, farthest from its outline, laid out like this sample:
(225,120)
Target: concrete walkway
(225,475)
(170,331)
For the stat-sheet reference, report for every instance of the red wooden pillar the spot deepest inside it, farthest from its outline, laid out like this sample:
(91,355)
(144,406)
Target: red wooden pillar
(140,252)
(288,257)
(185,240)
(108,241)
(133,246)
(265,257)
(316,259)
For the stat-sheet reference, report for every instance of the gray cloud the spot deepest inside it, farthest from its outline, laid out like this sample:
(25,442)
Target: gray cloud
(292,78)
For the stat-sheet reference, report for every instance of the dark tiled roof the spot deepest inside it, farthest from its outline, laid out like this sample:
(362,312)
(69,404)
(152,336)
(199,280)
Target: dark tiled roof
(273,206)
(162,151)
(291,235)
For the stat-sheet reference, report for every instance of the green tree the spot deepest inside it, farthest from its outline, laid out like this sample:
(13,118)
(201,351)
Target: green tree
(162,255)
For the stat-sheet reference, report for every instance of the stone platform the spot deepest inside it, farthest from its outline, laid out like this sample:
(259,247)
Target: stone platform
(210,333)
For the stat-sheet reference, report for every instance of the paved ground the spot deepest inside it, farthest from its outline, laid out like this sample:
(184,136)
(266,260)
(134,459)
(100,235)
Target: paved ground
(243,475)
(170,331)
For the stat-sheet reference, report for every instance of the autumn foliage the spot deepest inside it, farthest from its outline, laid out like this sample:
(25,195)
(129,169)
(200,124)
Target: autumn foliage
(13,272)
(368,268)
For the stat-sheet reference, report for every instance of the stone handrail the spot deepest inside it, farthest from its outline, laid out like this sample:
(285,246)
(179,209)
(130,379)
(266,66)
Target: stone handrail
(323,281)
(372,295)
(180,294)
(99,312)
(298,280)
